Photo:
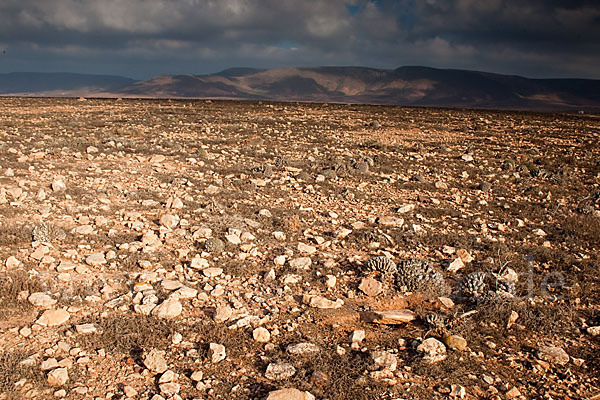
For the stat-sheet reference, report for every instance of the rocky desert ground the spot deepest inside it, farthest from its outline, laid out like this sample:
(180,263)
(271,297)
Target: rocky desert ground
(155,249)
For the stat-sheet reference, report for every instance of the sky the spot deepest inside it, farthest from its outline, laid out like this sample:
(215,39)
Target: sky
(144,38)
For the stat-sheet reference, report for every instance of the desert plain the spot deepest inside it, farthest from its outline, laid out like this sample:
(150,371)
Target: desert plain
(192,249)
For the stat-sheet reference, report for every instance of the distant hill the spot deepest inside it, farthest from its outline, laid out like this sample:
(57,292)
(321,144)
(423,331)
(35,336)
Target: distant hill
(409,86)
(36,83)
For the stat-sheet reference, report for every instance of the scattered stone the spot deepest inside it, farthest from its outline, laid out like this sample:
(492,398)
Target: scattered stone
(261,335)
(393,317)
(12,262)
(301,263)
(306,249)
(303,349)
(58,185)
(405,208)
(280,371)
(456,265)
(169,221)
(85,329)
(53,317)
(317,301)
(58,377)
(155,361)
(96,259)
(289,394)
(222,313)
(370,286)
(512,319)
(458,391)
(41,300)
(553,354)
(216,352)
(513,393)
(594,330)
(456,342)
(433,350)
(168,309)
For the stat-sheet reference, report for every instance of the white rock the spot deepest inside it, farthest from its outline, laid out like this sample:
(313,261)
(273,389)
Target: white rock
(317,301)
(199,263)
(289,394)
(280,371)
(41,300)
(48,364)
(385,360)
(357,336)
(83,230)
(390,221)
(212,272)
(434,350)
(594,330)
(456,265)
(279,235)
(53,317)
(233,239)
(405,208)
(58,185)
(168,309)
(58,377)
(184,293)
(216,352)
(85,328)
(222,313)
(169,389)
(169,221)
(12,262)
(96,259)
(167,376)
(155,361)
(306,249)
(301,262)
(303,348)
(261,335)
(156,159)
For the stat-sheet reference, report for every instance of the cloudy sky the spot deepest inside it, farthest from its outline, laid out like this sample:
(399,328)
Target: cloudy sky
(142,38)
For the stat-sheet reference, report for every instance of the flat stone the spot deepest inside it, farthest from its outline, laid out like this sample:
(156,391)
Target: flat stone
(86,328)
(12,262)
(370,286)
(385,360)
(169,221)
(300,262)
(53,317)
(155,361)
(48,364)
(222,313)
(303,348)
(390,221)
(357,336)
(58,377)
(199,263)
(405,208)
(322,302)
(233,239)
(553,354)
(83,230)
(168,309)
(169,389)
(157,158)
(41,300)
(433,350)
(95,259)
(306,248)
(58,185)
(289,394)
(184,293)
(212,272)
(216,352)
(280,371)
(513,393)
(456,265)
(393,317)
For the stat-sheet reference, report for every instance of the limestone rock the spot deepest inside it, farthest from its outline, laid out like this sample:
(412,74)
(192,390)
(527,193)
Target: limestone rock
(317,301)
(280,371)
(370,286)
(155,361)
(168,309)
(261,335)
(41,300)
(433,350)
(53,317)
(289,394)
(216,352)
(303,348)
(553,354)
(58,377)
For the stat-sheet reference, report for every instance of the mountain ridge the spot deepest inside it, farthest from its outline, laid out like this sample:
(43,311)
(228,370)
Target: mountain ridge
(404,86)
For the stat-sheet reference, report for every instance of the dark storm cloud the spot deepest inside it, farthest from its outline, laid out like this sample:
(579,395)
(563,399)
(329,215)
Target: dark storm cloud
(140,38)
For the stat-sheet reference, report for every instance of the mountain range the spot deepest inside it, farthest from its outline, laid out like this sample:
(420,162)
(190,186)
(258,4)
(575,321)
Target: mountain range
(406,86)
